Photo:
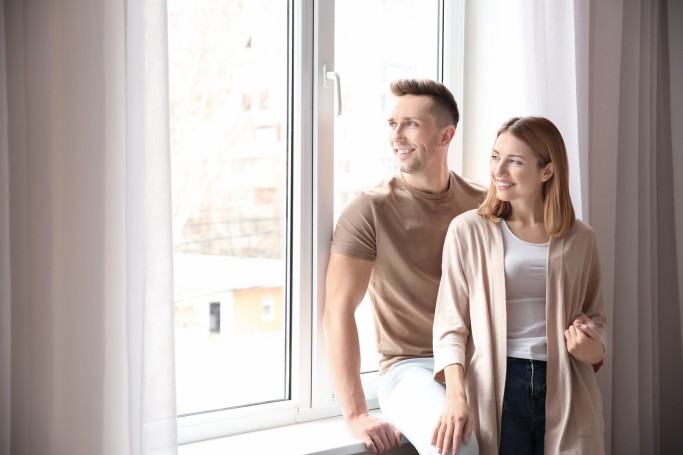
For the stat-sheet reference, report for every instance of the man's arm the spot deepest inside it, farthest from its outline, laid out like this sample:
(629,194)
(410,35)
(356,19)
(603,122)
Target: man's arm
(346,283)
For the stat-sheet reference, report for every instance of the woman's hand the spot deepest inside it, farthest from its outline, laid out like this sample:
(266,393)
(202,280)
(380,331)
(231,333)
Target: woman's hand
(454,425)
(583,341)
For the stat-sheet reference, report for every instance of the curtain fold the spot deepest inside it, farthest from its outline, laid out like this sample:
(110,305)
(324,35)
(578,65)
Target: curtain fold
(86,290)
(5,277)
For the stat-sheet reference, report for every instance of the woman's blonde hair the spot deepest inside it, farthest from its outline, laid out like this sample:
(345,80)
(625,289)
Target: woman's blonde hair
(545,140)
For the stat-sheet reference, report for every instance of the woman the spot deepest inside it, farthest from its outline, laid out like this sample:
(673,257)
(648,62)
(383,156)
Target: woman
(519,318)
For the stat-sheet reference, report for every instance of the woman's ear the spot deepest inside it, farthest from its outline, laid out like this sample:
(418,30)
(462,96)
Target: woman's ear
(548,172)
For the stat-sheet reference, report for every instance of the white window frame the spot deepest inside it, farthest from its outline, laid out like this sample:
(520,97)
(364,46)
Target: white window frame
(311,123)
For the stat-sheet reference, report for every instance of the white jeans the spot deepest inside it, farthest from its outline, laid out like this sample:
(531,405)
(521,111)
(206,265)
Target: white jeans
(413,401)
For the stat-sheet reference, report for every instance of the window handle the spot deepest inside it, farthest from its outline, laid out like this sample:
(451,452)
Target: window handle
(332,76)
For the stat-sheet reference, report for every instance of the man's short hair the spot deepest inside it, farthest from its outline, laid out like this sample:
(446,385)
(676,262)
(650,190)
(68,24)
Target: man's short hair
(445,109)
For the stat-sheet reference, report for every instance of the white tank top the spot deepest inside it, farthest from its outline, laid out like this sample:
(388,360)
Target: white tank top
(526,266)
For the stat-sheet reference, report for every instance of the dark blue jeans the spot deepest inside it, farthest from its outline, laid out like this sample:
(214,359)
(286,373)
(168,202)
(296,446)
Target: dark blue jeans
(523,423)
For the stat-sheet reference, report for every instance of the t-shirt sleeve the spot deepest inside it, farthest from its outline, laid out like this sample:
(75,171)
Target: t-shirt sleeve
(355,233)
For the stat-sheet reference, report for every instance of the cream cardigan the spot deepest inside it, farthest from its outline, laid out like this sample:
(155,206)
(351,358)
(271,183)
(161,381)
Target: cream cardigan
(470,328)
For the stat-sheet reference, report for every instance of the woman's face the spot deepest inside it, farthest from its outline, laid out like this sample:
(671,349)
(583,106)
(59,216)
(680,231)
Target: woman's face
(515,171)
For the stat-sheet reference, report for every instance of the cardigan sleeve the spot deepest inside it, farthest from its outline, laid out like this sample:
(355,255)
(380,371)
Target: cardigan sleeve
(451,316)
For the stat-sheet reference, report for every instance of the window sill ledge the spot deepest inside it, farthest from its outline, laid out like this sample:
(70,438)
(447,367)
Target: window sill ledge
(318,437)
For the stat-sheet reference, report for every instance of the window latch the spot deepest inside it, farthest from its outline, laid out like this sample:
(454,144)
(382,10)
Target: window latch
(333,76)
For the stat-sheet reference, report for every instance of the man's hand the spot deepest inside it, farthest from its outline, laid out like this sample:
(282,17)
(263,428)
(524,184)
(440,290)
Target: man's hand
(583,341)
(378,435)
(454,426)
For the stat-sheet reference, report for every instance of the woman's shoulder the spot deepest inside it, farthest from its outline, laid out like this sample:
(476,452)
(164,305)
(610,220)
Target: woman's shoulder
(470,220)
(580,236)
(581,229)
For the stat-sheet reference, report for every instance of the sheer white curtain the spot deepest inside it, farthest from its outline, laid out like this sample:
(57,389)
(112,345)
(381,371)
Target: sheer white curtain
(86,312)
(609,74)
(520,59)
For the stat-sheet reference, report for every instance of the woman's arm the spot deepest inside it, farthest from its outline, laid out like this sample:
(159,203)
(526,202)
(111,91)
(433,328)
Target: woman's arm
(455,424)
(586,335)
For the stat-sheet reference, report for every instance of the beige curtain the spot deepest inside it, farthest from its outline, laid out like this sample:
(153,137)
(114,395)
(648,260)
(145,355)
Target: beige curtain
(609,73)
(636,206)
(86,310)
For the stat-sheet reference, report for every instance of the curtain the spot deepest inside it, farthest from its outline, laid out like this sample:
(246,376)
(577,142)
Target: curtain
(636,167)
(609,74)
(520,59)
(86,307)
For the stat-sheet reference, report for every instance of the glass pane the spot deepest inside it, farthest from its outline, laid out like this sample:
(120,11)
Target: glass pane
(391,39)
(228,107)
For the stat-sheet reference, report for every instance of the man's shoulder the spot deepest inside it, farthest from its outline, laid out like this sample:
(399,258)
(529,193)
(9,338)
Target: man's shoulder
(378,191)
(469,187)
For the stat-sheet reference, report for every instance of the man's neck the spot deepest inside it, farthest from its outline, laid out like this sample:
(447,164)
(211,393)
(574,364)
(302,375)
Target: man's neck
(432,184)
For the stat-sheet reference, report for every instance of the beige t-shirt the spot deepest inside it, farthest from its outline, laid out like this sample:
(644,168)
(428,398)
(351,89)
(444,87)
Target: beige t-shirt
(402,230)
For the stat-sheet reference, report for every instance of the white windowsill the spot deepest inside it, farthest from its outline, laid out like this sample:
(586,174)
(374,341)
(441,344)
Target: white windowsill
(320,437)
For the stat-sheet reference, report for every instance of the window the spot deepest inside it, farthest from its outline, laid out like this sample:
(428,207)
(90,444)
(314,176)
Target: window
(214,318)
(256,188)
(230,196)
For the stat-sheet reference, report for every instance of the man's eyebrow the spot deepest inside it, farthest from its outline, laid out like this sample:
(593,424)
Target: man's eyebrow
(392,119)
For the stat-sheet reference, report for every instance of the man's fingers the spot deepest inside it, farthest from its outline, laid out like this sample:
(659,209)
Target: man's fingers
(378,443)
(397,435)
(370,444)
(381,439)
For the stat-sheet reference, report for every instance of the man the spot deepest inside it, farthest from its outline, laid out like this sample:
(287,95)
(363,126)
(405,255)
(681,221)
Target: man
(388,241)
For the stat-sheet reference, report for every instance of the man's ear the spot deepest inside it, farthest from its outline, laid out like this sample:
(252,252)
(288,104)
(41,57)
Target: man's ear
(448,134)
(548,172)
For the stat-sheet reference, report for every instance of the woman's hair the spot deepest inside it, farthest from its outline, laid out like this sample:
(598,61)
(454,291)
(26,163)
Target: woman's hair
(545,140)
(445,109)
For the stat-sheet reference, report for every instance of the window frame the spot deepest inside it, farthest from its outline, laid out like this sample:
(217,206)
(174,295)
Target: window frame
(311,171)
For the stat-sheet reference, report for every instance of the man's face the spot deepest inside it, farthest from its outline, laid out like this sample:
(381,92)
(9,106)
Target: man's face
(415,137)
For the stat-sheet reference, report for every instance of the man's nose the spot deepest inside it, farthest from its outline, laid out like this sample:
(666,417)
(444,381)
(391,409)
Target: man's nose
(397,133)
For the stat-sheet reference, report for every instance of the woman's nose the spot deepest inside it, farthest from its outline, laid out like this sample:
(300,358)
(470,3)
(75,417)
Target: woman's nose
(499,168)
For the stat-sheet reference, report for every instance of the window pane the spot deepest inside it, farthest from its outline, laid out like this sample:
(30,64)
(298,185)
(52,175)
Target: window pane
(391,39)
(228,107)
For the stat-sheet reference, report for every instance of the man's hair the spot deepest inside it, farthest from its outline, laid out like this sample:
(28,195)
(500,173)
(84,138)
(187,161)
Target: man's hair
(545,140)
(445,109)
